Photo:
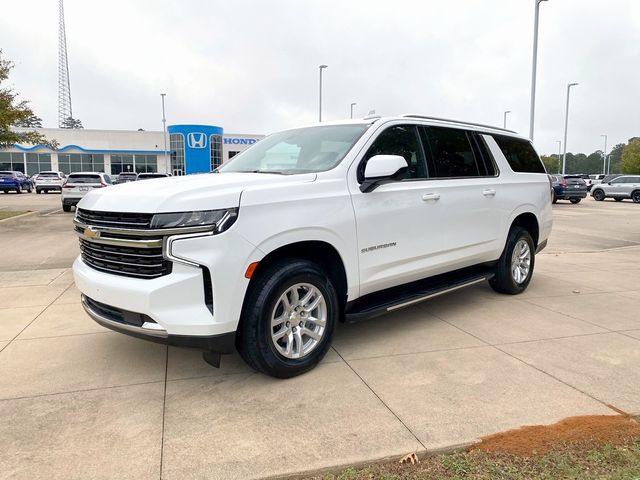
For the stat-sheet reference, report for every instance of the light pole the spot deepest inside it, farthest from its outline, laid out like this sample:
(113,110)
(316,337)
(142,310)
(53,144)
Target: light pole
(604,155)
(504,123)
(566,125)
(164,134)
(559,142)
(352,105)
(533,68)
(320,67)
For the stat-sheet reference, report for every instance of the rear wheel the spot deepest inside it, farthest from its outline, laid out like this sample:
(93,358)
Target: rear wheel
(66,207)
(288,318)
(38,191)
(635,196)
(575,200)
(598,195)
(515,266)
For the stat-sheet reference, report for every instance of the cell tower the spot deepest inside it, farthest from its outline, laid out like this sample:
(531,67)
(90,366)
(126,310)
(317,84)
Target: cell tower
(64,88)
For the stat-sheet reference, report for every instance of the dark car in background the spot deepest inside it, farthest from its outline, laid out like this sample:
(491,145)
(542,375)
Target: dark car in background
(14,181)
(568,187)
(126,177)
(149,175)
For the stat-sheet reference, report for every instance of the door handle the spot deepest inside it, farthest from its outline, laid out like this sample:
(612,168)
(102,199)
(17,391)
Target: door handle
(489,192)
(430,196)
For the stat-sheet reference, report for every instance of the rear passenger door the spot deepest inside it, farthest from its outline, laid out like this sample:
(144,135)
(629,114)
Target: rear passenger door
(464,178)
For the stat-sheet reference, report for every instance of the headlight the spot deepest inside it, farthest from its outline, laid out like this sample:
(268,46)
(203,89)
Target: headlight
(220,220)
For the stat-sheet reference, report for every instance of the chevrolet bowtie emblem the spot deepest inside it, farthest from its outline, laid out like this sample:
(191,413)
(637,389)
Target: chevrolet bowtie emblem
(91,233)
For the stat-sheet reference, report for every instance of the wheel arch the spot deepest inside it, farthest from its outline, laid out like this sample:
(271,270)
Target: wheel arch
(529,221)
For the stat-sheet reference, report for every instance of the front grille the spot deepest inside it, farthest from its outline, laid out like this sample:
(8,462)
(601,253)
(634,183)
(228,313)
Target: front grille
(124,260)
(140,221)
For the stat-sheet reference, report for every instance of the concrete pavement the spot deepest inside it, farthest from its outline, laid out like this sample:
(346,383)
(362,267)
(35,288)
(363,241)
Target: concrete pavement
(79,401)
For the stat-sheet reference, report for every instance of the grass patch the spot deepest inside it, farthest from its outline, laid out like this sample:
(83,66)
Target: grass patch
(579,448)
(4,214)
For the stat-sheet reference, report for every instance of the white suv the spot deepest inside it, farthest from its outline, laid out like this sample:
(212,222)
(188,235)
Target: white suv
(47,181)
(78,184)
(309,227)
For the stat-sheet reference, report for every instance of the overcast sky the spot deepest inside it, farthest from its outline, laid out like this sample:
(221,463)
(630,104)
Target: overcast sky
(252,66)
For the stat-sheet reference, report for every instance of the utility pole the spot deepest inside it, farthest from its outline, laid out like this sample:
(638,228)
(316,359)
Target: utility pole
(534,66)
(604,154)
(352,105)
(566,127)
(504,123)
(320,67)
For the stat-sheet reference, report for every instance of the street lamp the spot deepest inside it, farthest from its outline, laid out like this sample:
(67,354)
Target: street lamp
(533,69)
(164,134)
(604,155)
(320,67)
(352,105)
(559,142)
(566,125)
(505,118)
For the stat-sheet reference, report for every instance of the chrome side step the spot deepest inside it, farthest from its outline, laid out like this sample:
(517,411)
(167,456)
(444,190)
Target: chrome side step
(436,294)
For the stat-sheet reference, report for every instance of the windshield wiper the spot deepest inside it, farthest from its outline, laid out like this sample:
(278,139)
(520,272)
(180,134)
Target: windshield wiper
(277,172)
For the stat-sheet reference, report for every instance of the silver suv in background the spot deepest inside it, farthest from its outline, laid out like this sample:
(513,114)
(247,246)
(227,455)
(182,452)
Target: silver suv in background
(79,184)
(624,186)
(48,181)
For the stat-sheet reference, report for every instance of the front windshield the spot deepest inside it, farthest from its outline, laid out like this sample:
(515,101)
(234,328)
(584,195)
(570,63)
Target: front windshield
(303,150)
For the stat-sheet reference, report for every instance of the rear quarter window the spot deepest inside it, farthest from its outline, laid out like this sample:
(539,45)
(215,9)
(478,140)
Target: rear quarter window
(520,154)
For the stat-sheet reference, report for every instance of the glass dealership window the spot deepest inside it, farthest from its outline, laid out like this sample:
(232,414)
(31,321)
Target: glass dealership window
(146,163)
(12,161)
(216,151)
(176,144)
(80,162)
(121,162)
(38,162)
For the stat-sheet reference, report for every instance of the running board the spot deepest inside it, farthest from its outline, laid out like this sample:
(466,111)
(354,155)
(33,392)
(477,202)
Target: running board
(395,298)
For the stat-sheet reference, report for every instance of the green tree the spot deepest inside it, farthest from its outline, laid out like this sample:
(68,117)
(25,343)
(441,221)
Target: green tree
(631,157)
(14,112)
(551,163)
(32,121)
(615,160)
(71,122)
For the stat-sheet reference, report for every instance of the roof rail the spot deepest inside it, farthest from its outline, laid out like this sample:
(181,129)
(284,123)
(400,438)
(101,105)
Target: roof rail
(373,116)
(426,117)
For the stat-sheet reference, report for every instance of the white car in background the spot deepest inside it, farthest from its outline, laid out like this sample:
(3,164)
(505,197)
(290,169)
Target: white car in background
(49,181)
(597,178)
(79,184)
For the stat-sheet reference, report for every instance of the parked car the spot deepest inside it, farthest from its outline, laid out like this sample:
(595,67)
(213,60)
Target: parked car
(311,226)
(150,175)
(49,181)
(14,181)
(624,186)
(608,178)
(568,187)
(596,178)
(79,184)
(126,177)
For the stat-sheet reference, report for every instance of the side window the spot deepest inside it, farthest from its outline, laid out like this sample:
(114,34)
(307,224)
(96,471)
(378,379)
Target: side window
(452,153)
(399,140)
(520,154)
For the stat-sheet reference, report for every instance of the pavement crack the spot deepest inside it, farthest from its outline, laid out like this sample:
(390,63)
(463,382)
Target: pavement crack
(381,401)
(164,404)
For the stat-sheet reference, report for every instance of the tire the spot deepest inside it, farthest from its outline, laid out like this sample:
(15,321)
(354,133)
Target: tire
(598,195)
(30,189)
(38,191)
(554,199)
(618,199)
(635,196)
(19,189)
(66,207)
(504,281)
(575,200)
(264,301)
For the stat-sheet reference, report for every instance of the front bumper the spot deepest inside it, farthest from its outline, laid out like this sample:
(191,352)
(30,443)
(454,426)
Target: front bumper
(141,326)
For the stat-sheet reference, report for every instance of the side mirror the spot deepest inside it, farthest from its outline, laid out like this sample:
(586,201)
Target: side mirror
(381,168)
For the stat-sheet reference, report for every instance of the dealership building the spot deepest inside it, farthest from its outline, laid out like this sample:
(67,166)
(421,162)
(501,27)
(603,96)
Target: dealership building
(189,149)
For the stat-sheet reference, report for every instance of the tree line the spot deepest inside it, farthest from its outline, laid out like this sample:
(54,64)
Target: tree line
(623,158)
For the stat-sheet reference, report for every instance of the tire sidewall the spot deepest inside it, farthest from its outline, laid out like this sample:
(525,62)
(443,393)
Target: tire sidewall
(635,196)
(280,280)
(598,195)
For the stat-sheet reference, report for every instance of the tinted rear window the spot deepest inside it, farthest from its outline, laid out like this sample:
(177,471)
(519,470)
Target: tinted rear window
(84,179)
(48,175)
(6,174)
(520,154)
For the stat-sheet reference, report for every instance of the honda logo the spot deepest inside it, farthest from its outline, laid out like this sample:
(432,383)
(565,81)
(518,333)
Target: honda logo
(196,140)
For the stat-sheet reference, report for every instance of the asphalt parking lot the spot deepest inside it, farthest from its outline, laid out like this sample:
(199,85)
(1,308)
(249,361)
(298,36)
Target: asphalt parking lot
(79,401)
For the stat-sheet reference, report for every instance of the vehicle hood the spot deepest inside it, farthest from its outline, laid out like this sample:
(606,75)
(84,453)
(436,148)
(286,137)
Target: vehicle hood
(180,194)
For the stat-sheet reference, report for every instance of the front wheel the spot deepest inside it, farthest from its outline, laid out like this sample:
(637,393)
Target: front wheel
(598,195)
(66,207)
(635,196)
(515,265)
(288,318)
(19,189)
(554,199)
(575,200)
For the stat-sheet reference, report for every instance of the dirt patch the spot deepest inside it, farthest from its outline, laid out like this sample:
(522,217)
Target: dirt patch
(540,439)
